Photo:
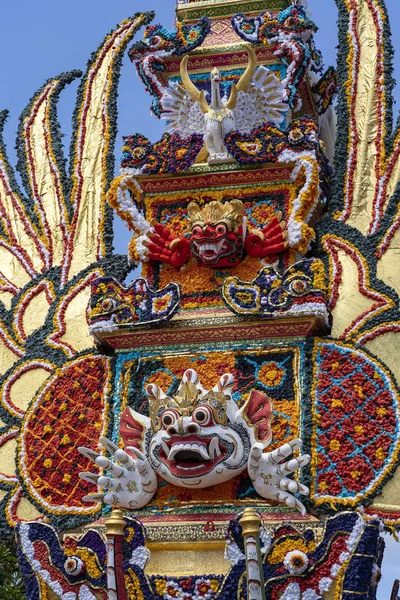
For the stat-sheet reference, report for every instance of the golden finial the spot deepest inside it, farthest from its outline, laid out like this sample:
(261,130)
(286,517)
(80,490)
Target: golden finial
(250,522)
(115,525)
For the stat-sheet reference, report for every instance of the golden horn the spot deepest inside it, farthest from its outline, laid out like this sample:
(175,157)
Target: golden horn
(195,94)
(245,80)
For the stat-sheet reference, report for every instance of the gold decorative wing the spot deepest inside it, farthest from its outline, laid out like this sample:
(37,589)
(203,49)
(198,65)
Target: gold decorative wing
(360,238)
(53,242)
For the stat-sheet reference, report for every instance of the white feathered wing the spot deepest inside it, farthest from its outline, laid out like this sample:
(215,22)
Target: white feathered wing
(183,116)
(261,103)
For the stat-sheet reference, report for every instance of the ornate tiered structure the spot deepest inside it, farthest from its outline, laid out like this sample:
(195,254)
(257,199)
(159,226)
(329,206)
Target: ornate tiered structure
(235,431)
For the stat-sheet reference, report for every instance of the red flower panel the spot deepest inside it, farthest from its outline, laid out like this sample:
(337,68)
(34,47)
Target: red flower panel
(68,414)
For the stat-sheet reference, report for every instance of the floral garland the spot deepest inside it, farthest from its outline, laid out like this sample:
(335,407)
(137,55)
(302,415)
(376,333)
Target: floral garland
(126,31)
(23,368)
(390,520)
(150,70)
(45,101)
(325,90)
(332,243)
(300,213)
(347,144)
(45,287)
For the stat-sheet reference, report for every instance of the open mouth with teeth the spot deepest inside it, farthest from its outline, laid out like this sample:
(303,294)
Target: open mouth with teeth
(210,251)
(191,454)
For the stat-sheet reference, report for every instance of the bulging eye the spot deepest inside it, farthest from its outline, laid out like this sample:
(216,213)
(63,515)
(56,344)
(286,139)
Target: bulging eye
(220,229)
(168,418)
(156,41)
(202,416)
(108,304)
(197,231)
(298,286)
(74,566)
(290,22)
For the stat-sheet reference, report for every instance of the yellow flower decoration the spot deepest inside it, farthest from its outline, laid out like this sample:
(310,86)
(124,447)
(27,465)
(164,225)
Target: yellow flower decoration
(161,586)
(334,445)
(270,374)
(279,551)
(214,583)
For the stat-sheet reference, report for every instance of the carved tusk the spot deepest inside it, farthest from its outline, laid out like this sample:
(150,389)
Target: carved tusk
(195,94)
(245,80)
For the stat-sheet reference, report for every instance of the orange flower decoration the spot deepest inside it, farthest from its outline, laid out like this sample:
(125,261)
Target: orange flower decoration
(162,378)
(271,374)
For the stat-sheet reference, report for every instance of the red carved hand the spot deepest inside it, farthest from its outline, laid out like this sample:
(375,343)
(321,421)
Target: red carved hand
(166,247)
(272,239)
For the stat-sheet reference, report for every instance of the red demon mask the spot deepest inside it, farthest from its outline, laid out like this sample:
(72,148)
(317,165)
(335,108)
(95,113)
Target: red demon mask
(217,233)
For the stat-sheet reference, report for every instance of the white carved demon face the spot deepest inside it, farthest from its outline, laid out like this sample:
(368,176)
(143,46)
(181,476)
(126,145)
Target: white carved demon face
(200,438)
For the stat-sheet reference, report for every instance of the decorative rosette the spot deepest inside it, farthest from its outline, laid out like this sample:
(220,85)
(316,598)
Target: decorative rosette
(296,562)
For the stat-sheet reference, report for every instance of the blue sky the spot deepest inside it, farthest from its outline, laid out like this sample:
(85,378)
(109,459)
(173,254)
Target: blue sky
(41,39)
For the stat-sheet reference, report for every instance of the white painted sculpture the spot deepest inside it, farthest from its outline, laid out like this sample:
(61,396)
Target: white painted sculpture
(196,439)
(256,99)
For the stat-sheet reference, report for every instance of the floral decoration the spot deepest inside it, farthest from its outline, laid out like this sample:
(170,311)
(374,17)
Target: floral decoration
(43,559)
(113,305)
(186,588)
(265,143)
(349,553)
(49,275)
(159,43)
(272,370)
(184,38)
(355,442)
(354,434)
(200,286)
(70,411)
(325,90)
(171,154)
(296,562)
(299,145)
(298,291)
(291,34)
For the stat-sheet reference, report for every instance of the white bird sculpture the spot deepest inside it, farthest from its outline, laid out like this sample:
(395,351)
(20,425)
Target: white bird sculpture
(256,99)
